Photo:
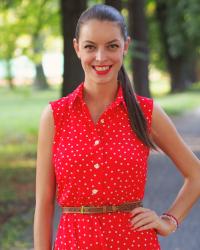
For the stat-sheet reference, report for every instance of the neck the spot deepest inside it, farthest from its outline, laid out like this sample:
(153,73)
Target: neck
(100,94)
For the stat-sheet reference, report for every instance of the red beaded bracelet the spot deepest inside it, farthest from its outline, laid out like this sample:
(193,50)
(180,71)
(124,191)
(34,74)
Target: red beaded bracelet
(173,219)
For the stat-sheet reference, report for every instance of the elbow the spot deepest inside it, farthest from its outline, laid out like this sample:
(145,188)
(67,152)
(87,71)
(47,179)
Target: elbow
(194,183)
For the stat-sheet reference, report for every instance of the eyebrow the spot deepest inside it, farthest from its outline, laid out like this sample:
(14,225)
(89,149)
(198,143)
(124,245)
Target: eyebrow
(115,40)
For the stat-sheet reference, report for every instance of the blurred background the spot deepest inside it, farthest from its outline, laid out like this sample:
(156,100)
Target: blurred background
(38,65)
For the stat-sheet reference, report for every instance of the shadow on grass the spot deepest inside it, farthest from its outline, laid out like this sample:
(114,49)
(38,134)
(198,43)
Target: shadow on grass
(17,191)
(17,199)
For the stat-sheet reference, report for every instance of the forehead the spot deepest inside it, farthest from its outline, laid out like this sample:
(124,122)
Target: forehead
(97,31)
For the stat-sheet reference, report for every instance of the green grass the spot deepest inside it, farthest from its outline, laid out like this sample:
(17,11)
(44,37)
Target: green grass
(13,233)
(176,104)
(20,111)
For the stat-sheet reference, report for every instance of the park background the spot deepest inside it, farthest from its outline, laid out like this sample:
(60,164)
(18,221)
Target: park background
(38,65)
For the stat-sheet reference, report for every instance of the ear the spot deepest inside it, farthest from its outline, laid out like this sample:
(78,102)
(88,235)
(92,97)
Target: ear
(76,47)
(126,45)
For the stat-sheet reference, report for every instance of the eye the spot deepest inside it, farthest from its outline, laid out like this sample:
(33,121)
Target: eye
(89,47)
(113,46)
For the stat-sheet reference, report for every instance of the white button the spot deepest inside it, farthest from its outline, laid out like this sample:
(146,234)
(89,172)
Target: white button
(96,165)
(94,191)
(96,142)
(102,120)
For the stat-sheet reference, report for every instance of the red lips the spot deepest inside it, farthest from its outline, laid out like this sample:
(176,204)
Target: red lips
(102,70)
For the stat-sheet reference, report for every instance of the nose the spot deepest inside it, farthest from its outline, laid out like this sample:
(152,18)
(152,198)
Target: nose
(100,55)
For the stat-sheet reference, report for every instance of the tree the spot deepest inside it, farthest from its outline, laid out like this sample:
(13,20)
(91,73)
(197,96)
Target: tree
(115,3)
(179,22)
(139,49)
(73,73)
(34,20)
(41,19)
(8,32)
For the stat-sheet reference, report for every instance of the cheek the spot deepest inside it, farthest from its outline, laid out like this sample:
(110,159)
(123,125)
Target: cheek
(118,59)
(86,60)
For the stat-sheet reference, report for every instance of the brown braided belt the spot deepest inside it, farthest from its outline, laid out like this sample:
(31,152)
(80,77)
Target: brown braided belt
(125,207)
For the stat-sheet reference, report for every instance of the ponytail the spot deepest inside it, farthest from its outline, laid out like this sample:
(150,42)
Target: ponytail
(136,116)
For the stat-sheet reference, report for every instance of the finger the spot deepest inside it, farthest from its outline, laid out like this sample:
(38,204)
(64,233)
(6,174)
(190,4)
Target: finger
(146,227)
(140,216)
(138,210)
(143,222)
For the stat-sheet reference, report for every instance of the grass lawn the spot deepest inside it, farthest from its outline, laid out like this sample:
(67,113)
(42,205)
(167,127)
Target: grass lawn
(175,104)
(19,118)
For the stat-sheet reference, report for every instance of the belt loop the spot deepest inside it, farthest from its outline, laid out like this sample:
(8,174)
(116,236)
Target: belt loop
(114,208)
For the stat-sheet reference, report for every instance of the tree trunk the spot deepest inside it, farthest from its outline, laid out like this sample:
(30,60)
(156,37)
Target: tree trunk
(73,72)
(191,68)
(178,73)
(181,68)
(9,77)
(140,55)
(115,3)
(198,69)
(40,81)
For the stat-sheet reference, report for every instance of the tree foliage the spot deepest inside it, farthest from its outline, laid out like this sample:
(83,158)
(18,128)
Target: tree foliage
(25,26)
(182,26)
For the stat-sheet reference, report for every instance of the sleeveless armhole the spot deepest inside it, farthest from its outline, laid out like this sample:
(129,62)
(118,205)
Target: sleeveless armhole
(147,105)
(58,108)
(53,109)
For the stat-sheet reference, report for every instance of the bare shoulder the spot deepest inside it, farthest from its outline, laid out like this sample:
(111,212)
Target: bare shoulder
(46,126)
(47,113)
(163,132)
(158,112)
(160,120)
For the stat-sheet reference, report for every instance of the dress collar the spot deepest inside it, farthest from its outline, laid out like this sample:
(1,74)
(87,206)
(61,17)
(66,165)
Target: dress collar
(78,94)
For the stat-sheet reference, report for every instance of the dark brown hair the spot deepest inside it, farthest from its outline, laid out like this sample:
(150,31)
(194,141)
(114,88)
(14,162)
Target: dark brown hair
(103,12)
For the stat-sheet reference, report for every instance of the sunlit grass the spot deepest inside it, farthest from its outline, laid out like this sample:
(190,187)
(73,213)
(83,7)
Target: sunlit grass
(20,111)
(176,104)
(159,82)
(160,89)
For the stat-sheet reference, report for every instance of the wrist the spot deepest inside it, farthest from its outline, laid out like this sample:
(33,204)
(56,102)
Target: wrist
(172,221)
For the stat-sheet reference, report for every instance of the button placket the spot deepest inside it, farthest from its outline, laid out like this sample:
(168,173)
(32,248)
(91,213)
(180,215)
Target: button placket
(97,187)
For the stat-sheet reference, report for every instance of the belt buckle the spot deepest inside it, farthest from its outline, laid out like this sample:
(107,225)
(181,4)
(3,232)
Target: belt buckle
(82,209)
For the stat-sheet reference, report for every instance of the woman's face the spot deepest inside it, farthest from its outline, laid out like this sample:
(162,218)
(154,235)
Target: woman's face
(101,48)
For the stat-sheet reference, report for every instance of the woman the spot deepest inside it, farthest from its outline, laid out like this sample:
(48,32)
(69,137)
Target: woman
(99,138)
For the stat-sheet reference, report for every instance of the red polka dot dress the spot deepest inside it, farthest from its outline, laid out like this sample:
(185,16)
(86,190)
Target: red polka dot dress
(95,165)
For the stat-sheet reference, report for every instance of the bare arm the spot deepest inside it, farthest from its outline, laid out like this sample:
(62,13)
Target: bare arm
(166,137)
(45,183)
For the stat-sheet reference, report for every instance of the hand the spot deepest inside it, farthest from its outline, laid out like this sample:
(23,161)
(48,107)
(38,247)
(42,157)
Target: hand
(144,218)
